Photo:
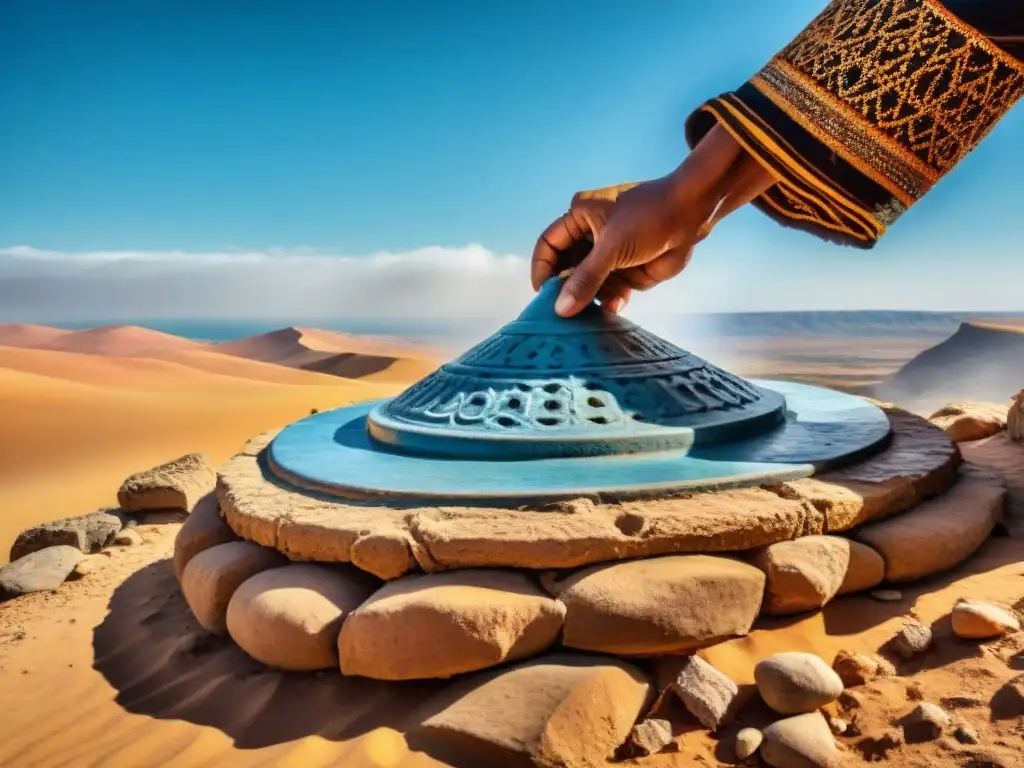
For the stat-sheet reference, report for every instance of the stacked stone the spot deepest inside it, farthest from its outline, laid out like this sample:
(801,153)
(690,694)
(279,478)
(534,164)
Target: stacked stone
(432,593)
(304,584)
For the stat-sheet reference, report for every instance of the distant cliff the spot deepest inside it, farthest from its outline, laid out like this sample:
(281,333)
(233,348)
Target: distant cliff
(981,361)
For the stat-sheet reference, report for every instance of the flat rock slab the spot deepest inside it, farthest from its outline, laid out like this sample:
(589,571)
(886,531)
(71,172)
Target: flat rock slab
(560,710)
(1005,457)
(921,462)
(41,571)
(178,484)
(942,532)
(86,533)
(390,540)
(673,604)
(443,624)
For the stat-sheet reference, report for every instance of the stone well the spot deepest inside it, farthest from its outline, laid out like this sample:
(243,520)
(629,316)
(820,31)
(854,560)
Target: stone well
(569,484)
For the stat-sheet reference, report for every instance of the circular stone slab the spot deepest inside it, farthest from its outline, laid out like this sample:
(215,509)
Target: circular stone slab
(389,539)
(332,453)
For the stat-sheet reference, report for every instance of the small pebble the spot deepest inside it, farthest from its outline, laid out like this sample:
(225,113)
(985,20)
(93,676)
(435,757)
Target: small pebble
(850,700)
(926,723)
(974,620)
(128,537)
(747,742)
(794,682)
(650,736)
(858,668)
(838,725)
(705,692)
(914,691)
(913,639)
(887,595)
(966,735)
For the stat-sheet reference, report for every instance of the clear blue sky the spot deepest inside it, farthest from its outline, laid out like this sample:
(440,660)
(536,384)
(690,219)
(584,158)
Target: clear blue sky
(360,127)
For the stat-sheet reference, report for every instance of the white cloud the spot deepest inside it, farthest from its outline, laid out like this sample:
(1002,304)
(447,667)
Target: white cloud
(438,283)
(468,281)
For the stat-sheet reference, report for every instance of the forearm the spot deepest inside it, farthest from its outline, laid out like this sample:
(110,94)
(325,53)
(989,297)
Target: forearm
(869,106)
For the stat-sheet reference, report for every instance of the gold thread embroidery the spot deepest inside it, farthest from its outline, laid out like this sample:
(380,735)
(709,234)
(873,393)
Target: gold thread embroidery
(791,213)
(816,114)
(855,212)
(810,204)
(908,73)
(786,152)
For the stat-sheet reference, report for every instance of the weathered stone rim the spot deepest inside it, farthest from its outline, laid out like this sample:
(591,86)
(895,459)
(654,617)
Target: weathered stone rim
(390,538)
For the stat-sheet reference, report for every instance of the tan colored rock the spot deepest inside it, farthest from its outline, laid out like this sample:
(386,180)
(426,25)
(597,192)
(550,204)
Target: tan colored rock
(793,682)
(804,741)
(913,639)
(926,723)
(866,569)
(212,576)
(178,484)
(1004,458)
(975,620)
(128,537)
(857,668)
(806,573)
(671,604)
(88,565)
(706,692)
(555,711)
(940,533)
(649,737)
(439,625)
(290,617)
(390,542)
(384,540)
(920,462)
(1015,417)
(970,421)
(748,740)
(203,529)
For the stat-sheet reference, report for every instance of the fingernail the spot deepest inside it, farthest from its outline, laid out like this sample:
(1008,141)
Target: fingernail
(565,303)
(617,305)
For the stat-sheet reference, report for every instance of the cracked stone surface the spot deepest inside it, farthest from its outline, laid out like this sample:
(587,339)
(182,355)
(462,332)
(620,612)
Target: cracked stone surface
(391,540)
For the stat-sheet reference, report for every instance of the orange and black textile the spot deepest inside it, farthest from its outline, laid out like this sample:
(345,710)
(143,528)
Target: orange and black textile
(870,105)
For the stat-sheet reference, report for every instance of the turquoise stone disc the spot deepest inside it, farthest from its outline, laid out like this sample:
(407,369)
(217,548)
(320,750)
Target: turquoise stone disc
(332,453)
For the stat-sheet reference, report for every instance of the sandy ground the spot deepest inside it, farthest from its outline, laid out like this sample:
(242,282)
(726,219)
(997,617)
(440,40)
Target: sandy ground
(112,670)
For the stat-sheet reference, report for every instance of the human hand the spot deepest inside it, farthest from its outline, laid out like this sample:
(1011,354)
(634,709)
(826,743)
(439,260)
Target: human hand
(644,234)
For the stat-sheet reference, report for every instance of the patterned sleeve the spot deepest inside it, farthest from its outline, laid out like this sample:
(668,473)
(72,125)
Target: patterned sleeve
(870,105)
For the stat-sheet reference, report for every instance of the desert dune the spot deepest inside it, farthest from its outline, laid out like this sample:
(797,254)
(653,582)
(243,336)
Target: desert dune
(120,340)
(28,335)
(71,416)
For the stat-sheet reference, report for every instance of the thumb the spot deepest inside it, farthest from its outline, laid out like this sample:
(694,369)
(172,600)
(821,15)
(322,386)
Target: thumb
(586,280)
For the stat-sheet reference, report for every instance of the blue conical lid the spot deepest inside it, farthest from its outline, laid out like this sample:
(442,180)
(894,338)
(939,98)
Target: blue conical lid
(593,384)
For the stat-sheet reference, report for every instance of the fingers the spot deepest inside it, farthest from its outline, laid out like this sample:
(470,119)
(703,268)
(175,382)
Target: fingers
(586,280)
(615,293)
(561,234)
